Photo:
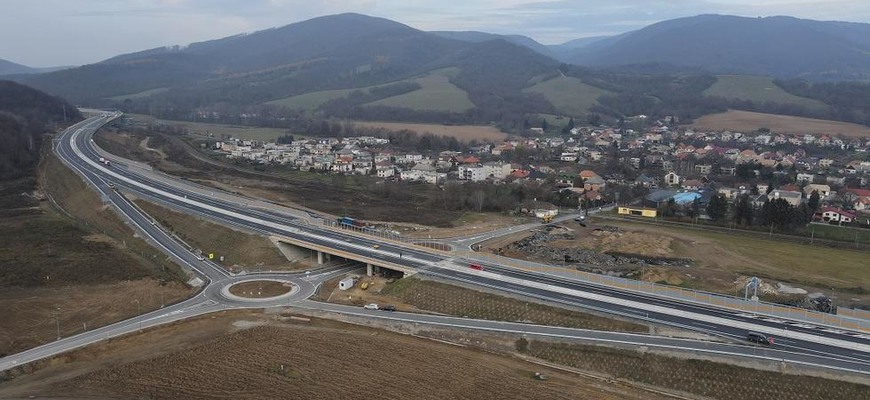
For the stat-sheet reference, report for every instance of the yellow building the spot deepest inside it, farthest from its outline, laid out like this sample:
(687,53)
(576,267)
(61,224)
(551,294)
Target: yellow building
(638,212)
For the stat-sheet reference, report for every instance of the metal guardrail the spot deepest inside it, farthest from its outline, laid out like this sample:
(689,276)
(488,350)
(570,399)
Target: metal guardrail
(381,235)
(857,321)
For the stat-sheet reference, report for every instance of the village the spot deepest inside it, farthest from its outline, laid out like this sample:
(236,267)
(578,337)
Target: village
(669,164)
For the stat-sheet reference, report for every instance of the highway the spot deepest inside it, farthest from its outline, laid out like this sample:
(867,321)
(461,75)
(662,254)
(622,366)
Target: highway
(798,343)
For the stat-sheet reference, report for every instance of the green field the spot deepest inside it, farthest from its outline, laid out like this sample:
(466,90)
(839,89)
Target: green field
(310,101)
(436,93)
(569,95)
(758,89)
(133,96)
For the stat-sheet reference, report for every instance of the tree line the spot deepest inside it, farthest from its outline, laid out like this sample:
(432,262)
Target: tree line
(25,115)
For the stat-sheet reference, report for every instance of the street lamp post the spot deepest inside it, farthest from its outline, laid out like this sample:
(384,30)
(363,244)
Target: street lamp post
(57,321)
(138,311)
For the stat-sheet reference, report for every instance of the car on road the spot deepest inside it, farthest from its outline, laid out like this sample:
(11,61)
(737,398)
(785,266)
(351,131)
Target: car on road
(371,306)
(376,246)
(477,267)
(389,307)
(759,338)
(580,218)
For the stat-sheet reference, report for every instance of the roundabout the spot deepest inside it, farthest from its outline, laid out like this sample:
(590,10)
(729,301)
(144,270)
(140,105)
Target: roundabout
(261,289)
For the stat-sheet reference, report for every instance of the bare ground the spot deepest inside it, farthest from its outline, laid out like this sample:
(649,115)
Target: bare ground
(719,261)
(215,357)
(260,289)
(750,121)
(27,318)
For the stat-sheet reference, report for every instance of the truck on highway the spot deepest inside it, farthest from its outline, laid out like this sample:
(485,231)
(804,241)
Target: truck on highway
(350,222)
(104,161)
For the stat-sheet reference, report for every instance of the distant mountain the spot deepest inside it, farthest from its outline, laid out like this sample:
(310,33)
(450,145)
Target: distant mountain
(300,58)
(479,37)
(294,58)
(11,68)
(24,115)
(775,46)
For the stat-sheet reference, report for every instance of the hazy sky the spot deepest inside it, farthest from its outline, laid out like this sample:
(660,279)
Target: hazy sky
(66,32)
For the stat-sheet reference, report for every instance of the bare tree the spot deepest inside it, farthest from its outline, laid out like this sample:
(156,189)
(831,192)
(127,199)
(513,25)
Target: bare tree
(479,197)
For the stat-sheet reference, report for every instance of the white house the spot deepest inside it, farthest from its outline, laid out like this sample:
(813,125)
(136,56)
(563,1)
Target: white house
(832,214)
(672,179)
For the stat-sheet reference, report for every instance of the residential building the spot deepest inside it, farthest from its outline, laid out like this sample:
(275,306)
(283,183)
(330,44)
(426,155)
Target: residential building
(672,179)
(823,190)
(703,169)
(793,198)
(833,214)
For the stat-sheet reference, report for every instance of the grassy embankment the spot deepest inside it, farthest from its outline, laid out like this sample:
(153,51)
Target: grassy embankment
(454,300)
(241,250)
(72,267)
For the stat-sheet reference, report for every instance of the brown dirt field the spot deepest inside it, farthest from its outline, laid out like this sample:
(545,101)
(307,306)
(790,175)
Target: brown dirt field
(260,289)
(27,316)
(212,358)
(750,121)
(241,250)
(720,262)
(464,133)
(467,224)
(697,378)
(622,242)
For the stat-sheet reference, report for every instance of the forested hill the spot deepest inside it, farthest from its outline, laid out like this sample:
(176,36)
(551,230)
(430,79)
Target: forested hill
(25,115)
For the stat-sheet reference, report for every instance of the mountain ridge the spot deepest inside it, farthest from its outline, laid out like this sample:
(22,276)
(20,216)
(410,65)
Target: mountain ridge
(784,47)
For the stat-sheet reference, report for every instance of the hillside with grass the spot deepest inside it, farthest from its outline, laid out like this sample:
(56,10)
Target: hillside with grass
(569,95)
(435,93)
(759,89)
(313,100)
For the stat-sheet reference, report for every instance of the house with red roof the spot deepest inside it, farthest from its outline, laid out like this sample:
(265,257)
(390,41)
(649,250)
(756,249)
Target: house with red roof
(834,214)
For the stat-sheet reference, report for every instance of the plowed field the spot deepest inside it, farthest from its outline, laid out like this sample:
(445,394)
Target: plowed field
(298,360)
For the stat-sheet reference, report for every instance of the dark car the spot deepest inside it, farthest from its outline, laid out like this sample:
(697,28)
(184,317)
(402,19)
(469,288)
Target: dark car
(759,338)
(389,307)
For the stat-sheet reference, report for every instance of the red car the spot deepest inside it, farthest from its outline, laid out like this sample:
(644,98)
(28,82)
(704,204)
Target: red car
(476,266)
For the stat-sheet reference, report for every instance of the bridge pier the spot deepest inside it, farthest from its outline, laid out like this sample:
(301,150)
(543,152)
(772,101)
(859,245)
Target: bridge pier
(319,257)
(368,269)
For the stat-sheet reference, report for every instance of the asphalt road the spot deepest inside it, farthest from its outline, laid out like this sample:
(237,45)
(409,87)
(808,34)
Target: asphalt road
(798,343)
(675,313)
